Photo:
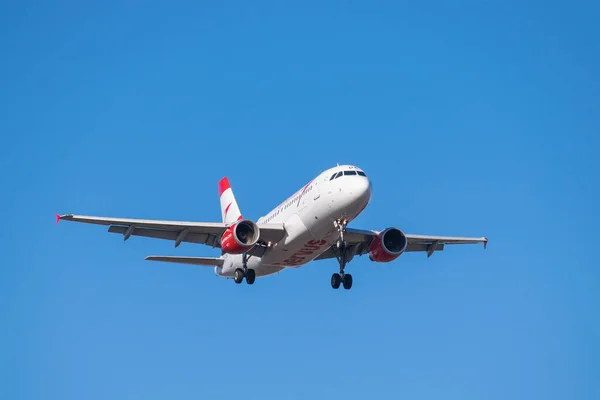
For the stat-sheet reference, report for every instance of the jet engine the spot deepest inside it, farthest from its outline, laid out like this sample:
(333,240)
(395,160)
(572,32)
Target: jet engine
(240,237)
(388,245)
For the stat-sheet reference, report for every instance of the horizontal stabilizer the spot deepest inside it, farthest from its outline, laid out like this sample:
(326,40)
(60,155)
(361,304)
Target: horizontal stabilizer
(203,261)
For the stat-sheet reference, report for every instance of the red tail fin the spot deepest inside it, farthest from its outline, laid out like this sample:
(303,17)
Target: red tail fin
(230,211)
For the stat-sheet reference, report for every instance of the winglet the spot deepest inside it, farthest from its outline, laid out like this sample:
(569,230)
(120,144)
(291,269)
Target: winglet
(57,218)
(485,240)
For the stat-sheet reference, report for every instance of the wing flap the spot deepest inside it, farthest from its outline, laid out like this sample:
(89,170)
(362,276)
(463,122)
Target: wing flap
(191,237)
(199,261)
(424,247)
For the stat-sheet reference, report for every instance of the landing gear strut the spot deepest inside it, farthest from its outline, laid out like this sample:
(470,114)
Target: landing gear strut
(342,277)
(244,272)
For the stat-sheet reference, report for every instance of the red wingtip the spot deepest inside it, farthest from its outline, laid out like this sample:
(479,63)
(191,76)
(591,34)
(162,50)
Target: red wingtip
(223,185)
(485,243)
(57,218)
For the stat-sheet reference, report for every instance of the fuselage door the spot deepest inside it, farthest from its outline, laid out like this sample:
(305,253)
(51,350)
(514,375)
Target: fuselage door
(315,189)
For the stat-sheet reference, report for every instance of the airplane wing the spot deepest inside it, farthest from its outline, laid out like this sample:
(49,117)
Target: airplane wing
(201,261)
(358,242)
(208,233)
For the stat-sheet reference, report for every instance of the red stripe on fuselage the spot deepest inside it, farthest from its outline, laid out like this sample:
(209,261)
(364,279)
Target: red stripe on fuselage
(303,190)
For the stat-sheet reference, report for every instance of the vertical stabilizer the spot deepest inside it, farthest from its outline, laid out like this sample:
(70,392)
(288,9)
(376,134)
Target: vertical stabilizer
(230,212)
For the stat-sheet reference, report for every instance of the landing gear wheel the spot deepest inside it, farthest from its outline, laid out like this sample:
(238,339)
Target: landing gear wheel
(336,280)
(347,281)
(238,275)
(250,276)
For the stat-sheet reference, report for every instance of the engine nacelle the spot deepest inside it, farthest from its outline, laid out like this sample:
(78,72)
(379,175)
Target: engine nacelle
(388,245)
(240,237)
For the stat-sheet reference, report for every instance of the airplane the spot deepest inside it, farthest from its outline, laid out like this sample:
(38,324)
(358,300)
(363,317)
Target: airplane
(310,225)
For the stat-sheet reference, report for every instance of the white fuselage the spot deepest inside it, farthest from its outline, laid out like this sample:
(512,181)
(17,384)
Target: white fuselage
(308,216)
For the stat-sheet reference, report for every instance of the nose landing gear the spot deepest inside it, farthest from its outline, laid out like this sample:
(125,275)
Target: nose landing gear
(340,250)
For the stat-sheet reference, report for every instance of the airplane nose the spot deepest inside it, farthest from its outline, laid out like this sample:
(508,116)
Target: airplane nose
(359,191)
(363,190)
(358,196)
(349,197)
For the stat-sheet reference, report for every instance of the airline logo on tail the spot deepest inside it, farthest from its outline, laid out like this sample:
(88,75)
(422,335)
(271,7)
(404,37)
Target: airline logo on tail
(230,212)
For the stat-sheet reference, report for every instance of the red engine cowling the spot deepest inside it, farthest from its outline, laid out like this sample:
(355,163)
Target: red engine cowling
(388,245)
(240,237)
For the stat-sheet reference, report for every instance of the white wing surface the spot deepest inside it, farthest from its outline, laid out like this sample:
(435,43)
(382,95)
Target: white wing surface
(358,242)
(207,233)
(200,261)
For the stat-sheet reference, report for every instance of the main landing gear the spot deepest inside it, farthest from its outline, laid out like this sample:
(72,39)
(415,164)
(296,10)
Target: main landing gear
(244,272)
(340,250)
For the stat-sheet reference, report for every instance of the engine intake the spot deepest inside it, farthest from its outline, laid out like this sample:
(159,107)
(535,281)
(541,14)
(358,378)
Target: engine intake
(240,237)
(388,245)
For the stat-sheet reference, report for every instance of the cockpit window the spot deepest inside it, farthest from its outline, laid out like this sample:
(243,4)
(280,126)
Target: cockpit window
(346,173)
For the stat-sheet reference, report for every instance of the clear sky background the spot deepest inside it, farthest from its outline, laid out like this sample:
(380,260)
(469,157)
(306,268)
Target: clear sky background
(476,118)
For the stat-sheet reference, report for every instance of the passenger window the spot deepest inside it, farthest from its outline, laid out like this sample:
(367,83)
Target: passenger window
(349,172)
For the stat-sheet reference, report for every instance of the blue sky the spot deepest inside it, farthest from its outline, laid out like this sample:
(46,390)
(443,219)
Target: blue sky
(471,118)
